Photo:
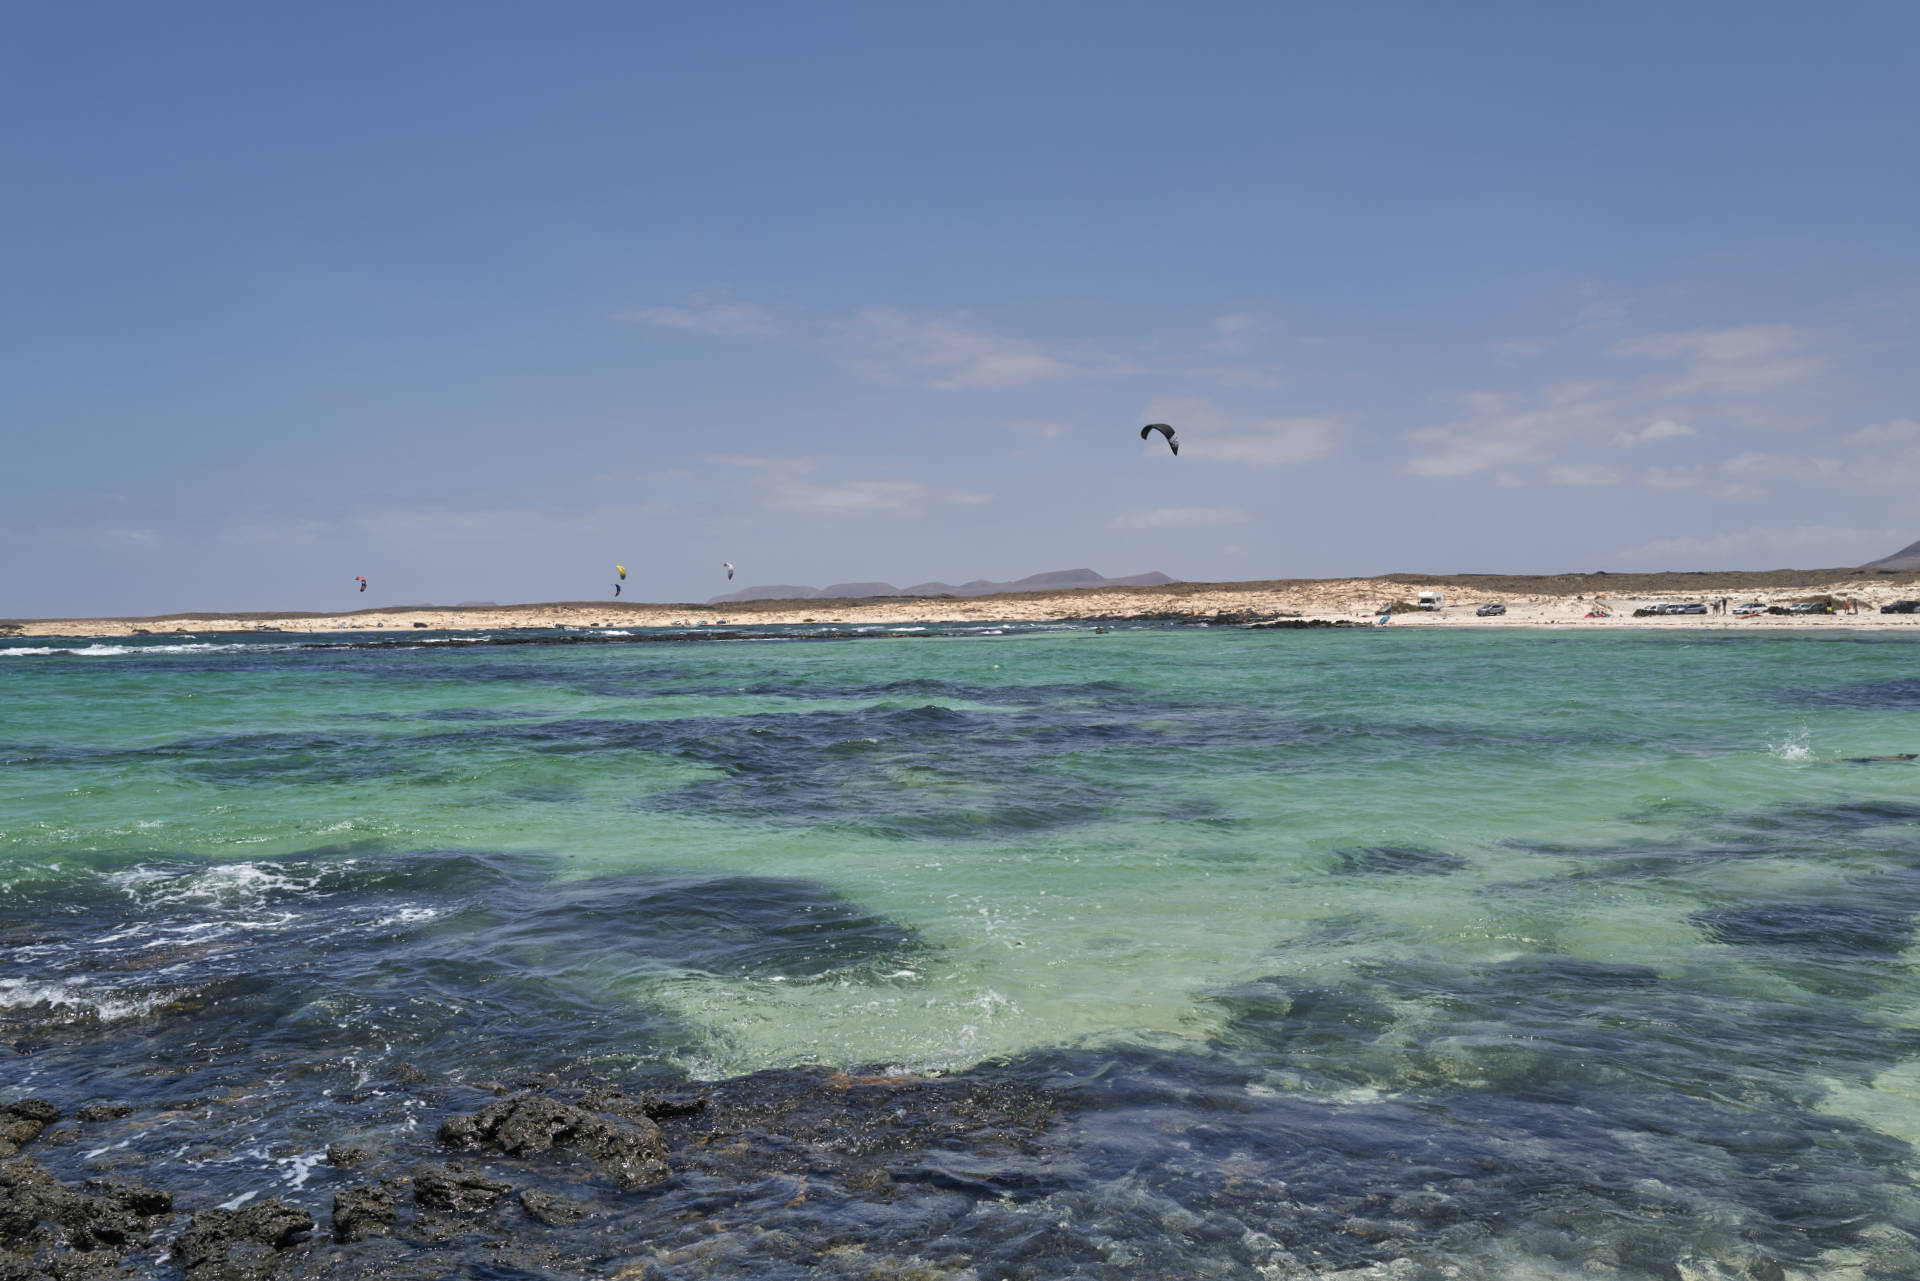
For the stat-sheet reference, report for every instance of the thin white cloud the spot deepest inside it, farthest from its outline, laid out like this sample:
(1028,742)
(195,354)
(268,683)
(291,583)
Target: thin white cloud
(887,345)
(764,462)
(1518,349)
(1180,517)
(1236,332)
(1040,428)
(1781,466)
(1763,547)
(1742,362)
(1900,431)
(1673,479)
(1582,474)
(1598,307)
(855,496)
(1658,429)
(1743,377)
(1215,434)
(704,316)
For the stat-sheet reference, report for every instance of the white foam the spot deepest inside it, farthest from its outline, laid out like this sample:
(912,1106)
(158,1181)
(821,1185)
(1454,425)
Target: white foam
(1792,748)
(408,916)
(222,883)
(114,651)
(299,1167)
(78,997)
(239,1201)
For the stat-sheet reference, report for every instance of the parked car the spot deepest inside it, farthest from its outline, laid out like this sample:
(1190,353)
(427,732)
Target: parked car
(1687,607)
(1491,609)
(1902,607)
(1749,609)
(1810,607)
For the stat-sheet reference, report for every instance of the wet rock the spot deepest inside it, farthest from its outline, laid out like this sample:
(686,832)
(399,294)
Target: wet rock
(342,1156)
(630,1148)
(1303,624)
(21,1122)
(240,1245)
(116,1214)
(450,1189)
(408,1074)
(37,1211)
(551,1210)
(368,1210)
(103,1112)
(25,1188)
(650,1104)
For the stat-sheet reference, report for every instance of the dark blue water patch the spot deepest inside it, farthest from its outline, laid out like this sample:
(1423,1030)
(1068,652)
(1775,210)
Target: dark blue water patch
(1889,826)
(1396,860)
(1612,1181)
(454,714)
(1840,819)
(554,794)
(304,758)
(1554,1028)
(1825,931)
(754,926)
(451,958)
(1897,692)
(909,771)
(1614,1076)
(1648,859)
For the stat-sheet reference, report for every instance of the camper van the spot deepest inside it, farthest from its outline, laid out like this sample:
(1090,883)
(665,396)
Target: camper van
(1431,600)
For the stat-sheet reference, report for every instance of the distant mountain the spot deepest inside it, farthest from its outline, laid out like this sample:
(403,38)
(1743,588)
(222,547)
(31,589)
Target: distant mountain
(1054,581)
(1907,557)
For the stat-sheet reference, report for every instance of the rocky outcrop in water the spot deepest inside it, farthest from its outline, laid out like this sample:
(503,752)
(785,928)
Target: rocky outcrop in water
(369,1210)
(629,1148)
(50,1229)
(22,1121)
(240,1245)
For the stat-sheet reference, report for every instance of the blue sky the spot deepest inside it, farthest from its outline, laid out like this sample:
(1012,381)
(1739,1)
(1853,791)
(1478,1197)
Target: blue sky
(479,299)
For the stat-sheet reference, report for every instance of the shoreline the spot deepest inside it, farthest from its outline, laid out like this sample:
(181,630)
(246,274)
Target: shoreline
(1540,601)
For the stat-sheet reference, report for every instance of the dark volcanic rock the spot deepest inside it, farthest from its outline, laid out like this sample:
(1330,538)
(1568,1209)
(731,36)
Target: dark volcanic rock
(453,1190)
(1303,624)
(342,1156)
(555,1212)
(103,1111)
(38,1213)
(368,1210)
(630,1148)
(21,1122)
(240,1245)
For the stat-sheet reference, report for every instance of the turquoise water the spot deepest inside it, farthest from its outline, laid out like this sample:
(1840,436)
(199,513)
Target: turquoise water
(1487,953)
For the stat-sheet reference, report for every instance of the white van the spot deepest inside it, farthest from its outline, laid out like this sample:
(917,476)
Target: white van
(1431,600)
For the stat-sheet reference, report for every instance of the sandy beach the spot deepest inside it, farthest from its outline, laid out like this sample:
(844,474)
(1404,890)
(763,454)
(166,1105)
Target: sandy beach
(1564,600)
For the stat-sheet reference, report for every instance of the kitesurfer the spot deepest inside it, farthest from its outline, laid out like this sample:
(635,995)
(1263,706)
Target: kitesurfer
(729,568)
(1164,430)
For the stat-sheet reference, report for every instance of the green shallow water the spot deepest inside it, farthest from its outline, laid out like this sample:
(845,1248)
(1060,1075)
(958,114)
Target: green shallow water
(1479,870)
